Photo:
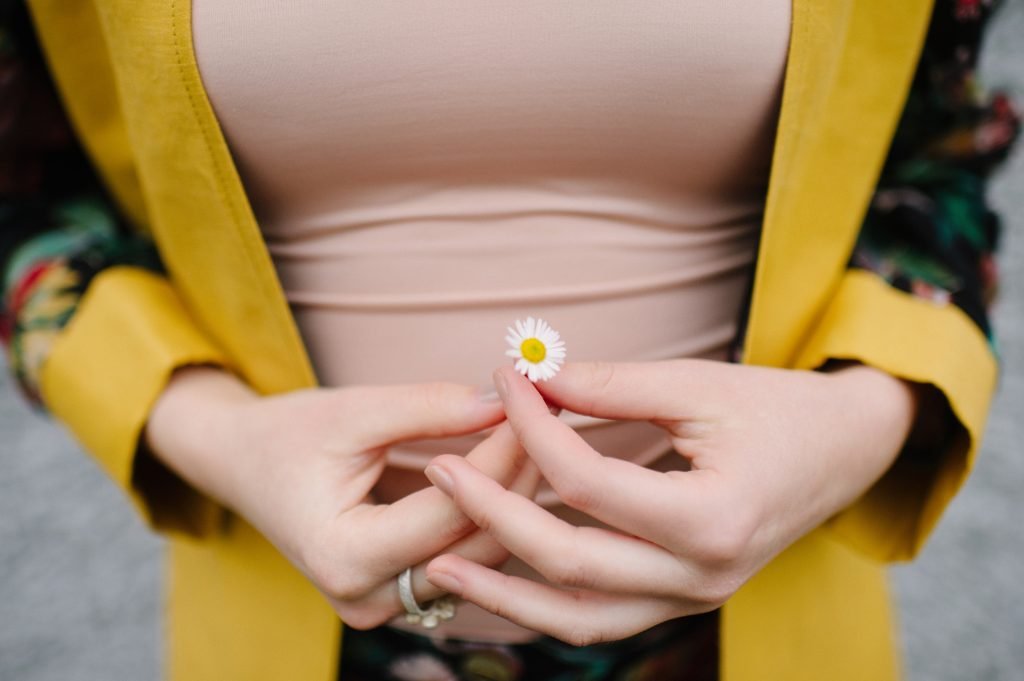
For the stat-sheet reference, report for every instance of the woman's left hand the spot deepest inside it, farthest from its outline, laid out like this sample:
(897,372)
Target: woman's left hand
(772,454)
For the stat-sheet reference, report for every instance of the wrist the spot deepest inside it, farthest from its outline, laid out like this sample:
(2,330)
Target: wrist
(189,427)
(890,404)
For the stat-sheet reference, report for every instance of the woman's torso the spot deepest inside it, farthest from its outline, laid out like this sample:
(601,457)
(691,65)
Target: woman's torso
(425,174)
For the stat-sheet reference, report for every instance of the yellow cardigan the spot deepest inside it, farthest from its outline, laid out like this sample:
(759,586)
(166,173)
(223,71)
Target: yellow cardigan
(236,609)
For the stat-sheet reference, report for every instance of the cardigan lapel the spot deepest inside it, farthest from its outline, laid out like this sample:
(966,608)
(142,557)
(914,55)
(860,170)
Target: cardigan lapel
(239,586)
(818,611)
(848,73)
(200,216)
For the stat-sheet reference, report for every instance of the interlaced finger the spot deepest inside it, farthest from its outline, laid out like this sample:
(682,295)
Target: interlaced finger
(477,547)
(381,541)
(616,492)
(579,617)
(577,557)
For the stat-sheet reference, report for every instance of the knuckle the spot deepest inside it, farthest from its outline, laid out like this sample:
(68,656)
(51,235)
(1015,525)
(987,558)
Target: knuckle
(344,587)
(455,525)
(581,635)
(436,404)
(568,569)
(578,494)
(458,526)
(714,591)
(726,542)
(721,548)
(490,601)
(435,397)
(484,521)
(363,618)
(339,581)
(604,374)
(601,379)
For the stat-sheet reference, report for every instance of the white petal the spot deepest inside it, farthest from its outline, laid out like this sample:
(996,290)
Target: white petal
(522,366)
(532,373)
(514,352)
(521,328)
(531,327)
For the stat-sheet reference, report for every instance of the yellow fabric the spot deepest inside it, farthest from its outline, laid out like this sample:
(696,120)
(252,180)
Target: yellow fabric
(818,612)
(869,321)
(849,71)
(237,610)
(106,370)
(94,106)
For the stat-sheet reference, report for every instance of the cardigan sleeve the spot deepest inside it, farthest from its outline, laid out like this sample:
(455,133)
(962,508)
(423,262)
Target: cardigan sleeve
(916,296)
(78,267)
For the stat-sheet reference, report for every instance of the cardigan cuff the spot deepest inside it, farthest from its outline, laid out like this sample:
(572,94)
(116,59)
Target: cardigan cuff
(104,373)
(924,342)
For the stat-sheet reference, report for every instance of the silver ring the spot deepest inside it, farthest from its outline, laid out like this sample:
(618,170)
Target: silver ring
(439,610)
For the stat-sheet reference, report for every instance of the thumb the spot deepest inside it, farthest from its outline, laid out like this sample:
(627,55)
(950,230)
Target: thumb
(389,414)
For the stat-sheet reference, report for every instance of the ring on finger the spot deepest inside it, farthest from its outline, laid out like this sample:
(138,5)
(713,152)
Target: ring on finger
(439,610)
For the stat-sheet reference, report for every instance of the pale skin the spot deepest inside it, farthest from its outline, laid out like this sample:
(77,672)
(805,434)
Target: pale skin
(773,453)
(300,467)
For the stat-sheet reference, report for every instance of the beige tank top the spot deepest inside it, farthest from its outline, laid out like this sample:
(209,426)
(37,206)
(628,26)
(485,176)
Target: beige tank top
(424,173)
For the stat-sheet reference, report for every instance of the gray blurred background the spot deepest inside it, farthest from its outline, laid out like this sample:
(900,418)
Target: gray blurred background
(80,576)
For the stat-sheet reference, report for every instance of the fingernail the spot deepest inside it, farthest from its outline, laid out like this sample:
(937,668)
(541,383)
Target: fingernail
(440,479)
(487,394)
(501,384)
(445,582)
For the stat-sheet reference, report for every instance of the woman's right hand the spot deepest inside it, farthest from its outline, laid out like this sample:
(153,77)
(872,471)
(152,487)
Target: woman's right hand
(300,467)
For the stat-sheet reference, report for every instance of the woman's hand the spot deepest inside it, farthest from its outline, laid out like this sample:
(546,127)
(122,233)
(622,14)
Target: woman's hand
(772,454)
(300,466)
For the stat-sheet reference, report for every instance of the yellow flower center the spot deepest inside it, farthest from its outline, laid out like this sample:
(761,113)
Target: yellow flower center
(533,350)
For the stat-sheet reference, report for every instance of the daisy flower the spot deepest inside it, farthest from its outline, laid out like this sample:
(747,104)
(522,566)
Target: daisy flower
(537,349)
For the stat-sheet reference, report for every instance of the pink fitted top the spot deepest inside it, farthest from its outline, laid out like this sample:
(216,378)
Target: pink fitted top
(425,173)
